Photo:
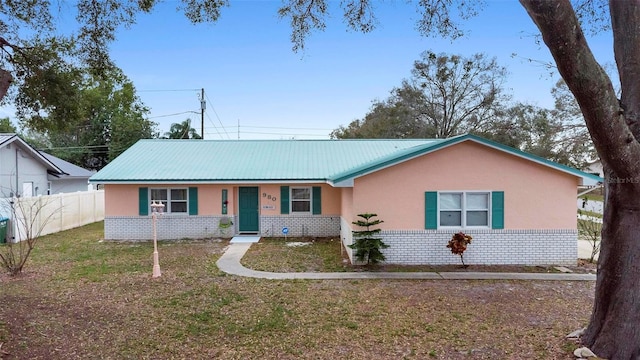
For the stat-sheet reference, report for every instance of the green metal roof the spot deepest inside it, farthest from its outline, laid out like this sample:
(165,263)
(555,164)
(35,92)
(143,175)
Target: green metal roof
(333,161)
(246,160)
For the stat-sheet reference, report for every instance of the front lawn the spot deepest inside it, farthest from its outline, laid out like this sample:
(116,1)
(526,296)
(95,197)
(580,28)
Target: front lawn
(81,298)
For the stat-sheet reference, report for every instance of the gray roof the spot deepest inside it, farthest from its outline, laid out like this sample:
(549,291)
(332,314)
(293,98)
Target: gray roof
(70,170)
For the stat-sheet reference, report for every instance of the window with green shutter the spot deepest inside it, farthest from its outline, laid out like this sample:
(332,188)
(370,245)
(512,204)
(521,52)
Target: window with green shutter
(464,209)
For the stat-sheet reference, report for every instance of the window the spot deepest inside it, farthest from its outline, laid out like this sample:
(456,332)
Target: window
(174,200)
(301,200)
(464,209)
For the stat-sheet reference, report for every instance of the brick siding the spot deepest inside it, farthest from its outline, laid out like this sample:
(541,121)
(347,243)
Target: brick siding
(488,247)
(169,227)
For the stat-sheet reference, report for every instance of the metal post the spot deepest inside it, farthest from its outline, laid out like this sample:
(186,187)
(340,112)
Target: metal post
(203,106)
(155,209)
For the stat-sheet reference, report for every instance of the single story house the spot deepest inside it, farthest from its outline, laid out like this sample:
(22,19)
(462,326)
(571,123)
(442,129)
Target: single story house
(25,171)
(519,208)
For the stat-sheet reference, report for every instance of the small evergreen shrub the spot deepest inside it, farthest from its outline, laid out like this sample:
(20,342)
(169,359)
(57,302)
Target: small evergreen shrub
(367,246)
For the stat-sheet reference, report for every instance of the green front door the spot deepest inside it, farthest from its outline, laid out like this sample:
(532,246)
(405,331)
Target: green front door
(248,216)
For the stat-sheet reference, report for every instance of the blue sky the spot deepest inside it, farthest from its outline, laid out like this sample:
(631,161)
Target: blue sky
(250,75)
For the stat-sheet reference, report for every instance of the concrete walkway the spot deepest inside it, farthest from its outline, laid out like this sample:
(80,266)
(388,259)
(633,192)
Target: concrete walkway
(229,262)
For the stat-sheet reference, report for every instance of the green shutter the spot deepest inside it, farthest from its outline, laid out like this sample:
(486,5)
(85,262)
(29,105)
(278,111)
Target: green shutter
(193,201)
(284,199)
(224,202)
(497,210)
(316,200)
(431,210)
(143,201)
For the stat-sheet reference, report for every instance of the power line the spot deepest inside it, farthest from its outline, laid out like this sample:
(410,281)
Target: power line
(218,117)
(168,115)
(214,126)
(291,134)
(280,127)
(167,90)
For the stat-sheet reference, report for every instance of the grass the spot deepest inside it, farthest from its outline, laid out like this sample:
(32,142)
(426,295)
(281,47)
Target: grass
(594,197)
(308,254)
(590,213)
(80,298)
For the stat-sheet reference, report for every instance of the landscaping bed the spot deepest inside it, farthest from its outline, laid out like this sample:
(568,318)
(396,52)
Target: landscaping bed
(327,255)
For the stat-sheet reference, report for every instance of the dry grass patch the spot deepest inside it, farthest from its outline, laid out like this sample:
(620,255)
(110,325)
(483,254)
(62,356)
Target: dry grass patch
(85,299)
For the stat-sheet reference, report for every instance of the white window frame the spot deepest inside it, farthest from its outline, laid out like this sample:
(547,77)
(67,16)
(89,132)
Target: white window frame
(168,202)
(465,209)
(291,199)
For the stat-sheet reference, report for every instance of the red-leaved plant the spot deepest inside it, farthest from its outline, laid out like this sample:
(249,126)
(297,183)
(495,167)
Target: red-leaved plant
(458,244)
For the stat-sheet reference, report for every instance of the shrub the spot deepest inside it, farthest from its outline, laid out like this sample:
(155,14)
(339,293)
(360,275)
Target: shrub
(367,246)
(458,244)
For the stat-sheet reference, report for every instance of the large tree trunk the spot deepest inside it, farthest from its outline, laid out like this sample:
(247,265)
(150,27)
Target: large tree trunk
(614,330)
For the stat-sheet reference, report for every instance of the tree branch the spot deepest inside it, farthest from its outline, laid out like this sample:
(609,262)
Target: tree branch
(589,83)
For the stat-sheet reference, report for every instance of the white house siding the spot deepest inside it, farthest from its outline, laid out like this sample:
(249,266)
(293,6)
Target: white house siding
(310,225)
(169,227)
(29,169)
(488,247)
(68,185)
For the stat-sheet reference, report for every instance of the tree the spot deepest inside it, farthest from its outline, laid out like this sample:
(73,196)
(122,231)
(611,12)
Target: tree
(6,126)
(367,246)
(590,228)
(613,124)
(395,118)
(29,217)
(614,329)
(182,130)
(109,119)
(576,138)
(540,132)
(45,54)
(447,95)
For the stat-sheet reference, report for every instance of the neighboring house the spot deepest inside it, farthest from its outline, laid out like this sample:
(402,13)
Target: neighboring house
(74,178)
(595,168)
(25,171)
(519,208)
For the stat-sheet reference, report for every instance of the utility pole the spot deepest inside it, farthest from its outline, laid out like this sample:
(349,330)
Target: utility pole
(203,106)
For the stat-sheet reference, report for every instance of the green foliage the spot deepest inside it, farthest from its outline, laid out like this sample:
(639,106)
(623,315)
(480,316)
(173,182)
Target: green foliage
(109,118)
(182,130)
(446,95)
(46,52)
(6,126)
(458,244)
(367,246)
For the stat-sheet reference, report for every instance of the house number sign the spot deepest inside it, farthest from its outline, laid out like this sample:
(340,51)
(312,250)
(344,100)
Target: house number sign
(268,196)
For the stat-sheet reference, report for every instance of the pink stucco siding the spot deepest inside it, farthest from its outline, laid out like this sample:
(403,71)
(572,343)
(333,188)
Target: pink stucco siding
(122,199)
(536,197)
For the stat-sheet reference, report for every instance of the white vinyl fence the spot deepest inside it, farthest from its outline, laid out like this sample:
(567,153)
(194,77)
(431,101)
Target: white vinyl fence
(49,214)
